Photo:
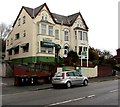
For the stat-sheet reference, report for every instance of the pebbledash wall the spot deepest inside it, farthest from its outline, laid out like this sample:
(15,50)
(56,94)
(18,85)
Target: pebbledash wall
(41,36)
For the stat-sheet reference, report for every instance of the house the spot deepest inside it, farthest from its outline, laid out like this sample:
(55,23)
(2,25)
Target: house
(117,57)
(38,35)
(2,49)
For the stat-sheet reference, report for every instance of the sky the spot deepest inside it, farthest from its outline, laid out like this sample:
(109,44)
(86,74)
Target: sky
(101,16)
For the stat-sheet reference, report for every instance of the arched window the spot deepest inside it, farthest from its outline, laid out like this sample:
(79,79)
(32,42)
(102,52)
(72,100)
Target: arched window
(66,38)
(66,50)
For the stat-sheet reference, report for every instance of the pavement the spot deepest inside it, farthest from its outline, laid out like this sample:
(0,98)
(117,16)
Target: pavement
(9,88)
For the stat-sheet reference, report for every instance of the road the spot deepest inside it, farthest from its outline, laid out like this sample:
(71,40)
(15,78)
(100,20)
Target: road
(98,93)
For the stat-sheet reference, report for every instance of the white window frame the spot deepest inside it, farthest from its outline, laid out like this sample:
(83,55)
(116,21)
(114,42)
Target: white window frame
(75,35)
(80,35)
(56,34)
(50,50)
(66,37)
(43,28)
(50,30)
(85,36)
(43,50)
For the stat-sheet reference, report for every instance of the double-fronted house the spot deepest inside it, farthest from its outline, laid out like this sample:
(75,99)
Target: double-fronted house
(38,35)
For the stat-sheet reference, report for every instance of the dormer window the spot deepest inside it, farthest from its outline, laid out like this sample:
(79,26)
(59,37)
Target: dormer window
(45,17)
(42,17)
(77,25)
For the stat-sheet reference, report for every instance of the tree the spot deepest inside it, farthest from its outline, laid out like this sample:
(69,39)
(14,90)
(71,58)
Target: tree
(93,55)
(73,55)
(72,58)
(4,30)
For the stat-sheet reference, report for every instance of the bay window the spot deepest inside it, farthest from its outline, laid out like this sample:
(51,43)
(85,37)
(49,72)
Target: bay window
(43,28)
(50,30)
(80,35)
(85,36)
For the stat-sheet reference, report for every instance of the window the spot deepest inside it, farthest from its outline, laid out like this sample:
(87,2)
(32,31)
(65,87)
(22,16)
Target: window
(42,17)
(75,48)
(66,35)
(43,29)
(26,48)
(56,34)
(77,73)
(45,17)
(50,32)
(17,36)
(65,51)
(7,42)
(80,35)
(50,50)
(75,35)
(85,49)
(11,41)
(24,33)
(16,50)
(70,74)
(38,46)
(43,50)
(19,22)
(85,36)
(23,19)
(80,50)
(10,52)
(78,25)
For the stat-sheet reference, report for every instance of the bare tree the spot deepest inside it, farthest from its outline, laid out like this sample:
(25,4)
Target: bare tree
(4,30)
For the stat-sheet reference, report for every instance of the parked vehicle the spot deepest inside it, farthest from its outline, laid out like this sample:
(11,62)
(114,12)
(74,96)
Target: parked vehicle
(69,78)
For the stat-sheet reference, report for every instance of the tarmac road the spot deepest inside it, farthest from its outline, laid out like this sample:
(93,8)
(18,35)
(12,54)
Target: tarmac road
(8,87)
(96,93)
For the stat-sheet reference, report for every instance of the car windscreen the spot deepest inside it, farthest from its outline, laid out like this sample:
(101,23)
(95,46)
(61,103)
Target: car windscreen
(58,74)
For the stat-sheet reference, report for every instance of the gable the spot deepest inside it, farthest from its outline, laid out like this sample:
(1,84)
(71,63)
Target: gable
(56,18)
(79,23)
(44,15)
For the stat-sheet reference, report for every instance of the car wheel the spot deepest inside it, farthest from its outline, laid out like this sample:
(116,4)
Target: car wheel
(85,83)
(68,84)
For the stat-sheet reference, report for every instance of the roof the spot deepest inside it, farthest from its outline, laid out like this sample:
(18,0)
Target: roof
(58,19)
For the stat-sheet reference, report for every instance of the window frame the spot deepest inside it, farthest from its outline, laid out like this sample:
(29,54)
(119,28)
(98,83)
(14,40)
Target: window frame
(17,36)
(26,48)
(85,37)
(50,51)
(80,35)
(43,28)
(43,49)
(50,30)
(56,34)
(66,35)
(16,50)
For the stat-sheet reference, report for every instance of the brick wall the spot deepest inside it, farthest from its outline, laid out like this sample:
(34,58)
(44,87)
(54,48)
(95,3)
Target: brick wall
(104,70)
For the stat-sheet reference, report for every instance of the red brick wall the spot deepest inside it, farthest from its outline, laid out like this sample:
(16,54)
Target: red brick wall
(105,70)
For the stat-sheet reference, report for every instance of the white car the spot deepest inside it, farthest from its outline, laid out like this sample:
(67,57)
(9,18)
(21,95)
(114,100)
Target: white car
(69,78)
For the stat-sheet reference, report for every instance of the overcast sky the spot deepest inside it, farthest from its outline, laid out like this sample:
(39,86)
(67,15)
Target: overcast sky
(101,16)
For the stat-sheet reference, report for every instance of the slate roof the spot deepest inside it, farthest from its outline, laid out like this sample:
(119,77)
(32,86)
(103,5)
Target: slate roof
(58,19)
